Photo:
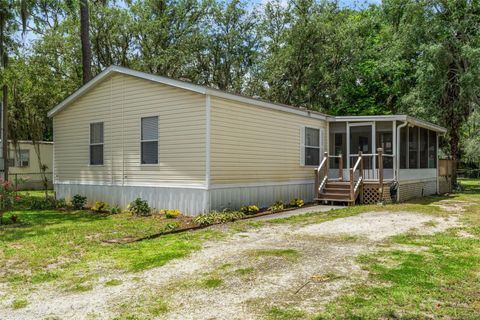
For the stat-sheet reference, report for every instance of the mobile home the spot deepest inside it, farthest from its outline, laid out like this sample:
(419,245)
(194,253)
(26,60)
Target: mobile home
(129,134)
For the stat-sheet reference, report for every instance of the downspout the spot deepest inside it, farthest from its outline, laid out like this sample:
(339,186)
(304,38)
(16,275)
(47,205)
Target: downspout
(397,160)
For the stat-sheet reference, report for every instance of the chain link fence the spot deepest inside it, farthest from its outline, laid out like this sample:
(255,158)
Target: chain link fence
(30,181)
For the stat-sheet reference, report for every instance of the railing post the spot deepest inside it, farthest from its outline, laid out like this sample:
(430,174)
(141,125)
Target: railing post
(352,186)
(380,171)
(325,155)
(360,176)
(340,167)
(317,183)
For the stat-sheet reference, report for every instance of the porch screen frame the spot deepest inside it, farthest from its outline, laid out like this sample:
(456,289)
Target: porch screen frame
(374,146)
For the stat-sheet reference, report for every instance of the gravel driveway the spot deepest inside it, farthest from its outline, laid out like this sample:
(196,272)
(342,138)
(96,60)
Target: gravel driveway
(250,272)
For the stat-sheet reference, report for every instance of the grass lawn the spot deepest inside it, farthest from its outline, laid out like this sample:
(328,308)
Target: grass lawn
(67,248)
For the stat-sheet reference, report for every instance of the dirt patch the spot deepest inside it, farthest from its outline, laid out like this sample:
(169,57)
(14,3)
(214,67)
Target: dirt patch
(380,225)
(454,206)
(274,279)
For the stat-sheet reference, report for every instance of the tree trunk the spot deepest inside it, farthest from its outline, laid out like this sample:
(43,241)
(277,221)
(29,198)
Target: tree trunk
(85,39)
(5,131)
(454,141)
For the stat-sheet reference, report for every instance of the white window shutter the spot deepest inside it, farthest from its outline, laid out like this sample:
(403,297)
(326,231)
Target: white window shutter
(302,146)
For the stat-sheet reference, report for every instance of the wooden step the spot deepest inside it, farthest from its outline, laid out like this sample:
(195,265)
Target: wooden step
(337,196)
(338,185)
(332,200)
(337,190)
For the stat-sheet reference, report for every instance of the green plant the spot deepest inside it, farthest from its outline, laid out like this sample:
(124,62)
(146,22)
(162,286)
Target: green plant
(7,198)
(14,218)
(277,206)
(115,209)
(79,202)
(216,217)
(48,203)
(296,203)
(100,207)
(139,207)
(61,204)
(250,209)
(170,214)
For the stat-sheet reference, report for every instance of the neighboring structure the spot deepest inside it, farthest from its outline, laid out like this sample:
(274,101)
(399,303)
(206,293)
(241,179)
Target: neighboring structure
(128,134)
(24,168)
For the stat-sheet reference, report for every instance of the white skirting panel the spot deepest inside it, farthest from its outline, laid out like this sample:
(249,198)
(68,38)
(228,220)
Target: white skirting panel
(262,196)
(189,200)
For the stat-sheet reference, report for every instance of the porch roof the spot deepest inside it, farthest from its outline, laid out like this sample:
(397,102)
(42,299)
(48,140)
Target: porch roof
(409,119)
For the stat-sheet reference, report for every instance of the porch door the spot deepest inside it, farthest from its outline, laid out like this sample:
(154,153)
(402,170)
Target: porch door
(361,138)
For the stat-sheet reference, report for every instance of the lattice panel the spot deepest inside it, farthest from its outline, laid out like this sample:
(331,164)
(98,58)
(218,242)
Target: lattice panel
(371,193)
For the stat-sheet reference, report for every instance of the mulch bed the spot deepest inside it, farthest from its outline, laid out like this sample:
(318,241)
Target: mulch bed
(130,239)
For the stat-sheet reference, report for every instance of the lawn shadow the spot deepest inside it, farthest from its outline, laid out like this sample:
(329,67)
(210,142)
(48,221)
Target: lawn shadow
(33,223)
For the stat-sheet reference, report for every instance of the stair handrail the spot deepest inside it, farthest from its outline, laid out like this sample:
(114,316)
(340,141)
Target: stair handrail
(321,174)
(356,184)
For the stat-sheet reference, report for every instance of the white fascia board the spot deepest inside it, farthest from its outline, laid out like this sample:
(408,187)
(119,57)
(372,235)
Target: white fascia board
(426,125)
(411,120)
(368,118)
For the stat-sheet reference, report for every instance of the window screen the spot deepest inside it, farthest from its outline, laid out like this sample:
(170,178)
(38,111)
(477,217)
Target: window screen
(312,147)
(423,148)
(96,143)
(413,148)
(149,140)
(432,149)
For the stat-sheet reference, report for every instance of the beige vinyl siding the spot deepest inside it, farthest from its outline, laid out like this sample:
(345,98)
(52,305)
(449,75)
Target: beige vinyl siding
(251,144)
(120,101)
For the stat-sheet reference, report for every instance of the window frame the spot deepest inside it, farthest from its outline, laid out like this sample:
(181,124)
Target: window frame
(305,146)
(150,140)
(18,162)
(90,144)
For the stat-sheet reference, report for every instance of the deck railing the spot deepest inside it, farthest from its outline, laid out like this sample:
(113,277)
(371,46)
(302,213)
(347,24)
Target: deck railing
(321,174)
(356,178)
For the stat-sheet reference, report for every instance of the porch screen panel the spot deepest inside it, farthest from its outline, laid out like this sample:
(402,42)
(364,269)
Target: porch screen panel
(423,148)
(403,148)
(432,149)
(413,148)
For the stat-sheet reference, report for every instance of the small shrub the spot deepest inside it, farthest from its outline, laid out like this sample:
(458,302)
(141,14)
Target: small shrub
(170,214)
(14,218)
(139,207)
(216,217)
(100,207)
(115,209)
(43,203)
(248,210)
(277,206)
(79,202)
(171,226)
(297,203)
(61,204)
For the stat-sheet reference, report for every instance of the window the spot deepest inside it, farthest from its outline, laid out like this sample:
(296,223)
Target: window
(23,158)
(96,143)
(149,140)
(312,147)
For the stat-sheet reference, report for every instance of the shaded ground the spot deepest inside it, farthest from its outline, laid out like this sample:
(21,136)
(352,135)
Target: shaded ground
(256,273)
